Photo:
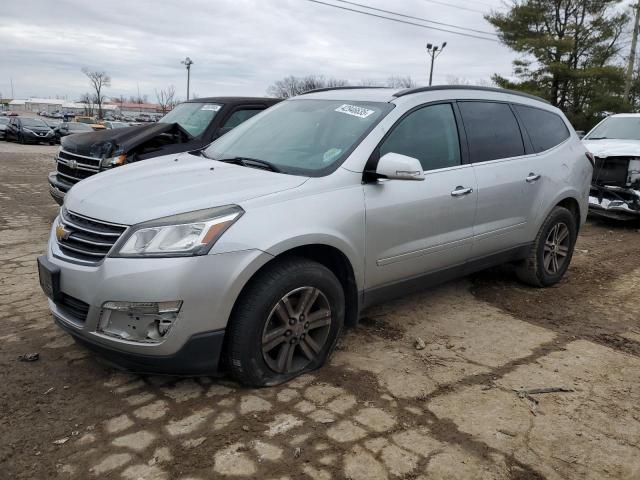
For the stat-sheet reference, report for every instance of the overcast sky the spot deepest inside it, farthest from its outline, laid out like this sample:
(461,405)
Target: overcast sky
(238,46)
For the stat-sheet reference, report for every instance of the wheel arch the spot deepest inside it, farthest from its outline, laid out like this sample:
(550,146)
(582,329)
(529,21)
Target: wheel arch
(329,256)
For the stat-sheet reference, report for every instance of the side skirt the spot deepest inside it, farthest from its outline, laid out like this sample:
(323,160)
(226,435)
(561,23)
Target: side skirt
(421,282)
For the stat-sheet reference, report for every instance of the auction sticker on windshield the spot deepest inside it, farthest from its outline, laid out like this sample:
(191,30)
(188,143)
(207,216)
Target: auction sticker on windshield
(213,108)
(354,110)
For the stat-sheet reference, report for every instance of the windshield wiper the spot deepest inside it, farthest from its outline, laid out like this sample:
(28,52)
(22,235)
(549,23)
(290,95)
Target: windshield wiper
(250,162)
(597,138)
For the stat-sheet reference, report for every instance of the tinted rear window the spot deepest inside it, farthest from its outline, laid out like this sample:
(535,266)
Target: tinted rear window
(545,129)
(492,131)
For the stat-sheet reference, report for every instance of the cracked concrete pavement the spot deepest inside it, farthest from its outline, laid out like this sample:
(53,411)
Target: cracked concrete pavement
(381,409)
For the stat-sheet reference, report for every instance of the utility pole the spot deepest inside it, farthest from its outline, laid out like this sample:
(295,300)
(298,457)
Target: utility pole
(632,54)
(187,62)
(11,79)
(434,52)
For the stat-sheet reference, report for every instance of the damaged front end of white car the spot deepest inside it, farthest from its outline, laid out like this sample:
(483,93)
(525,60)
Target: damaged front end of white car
(615,187)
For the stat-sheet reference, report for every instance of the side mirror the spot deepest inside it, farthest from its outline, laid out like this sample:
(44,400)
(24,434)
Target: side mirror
(395,166)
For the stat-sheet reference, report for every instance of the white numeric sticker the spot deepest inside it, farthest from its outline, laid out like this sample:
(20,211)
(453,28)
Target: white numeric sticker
(354,110)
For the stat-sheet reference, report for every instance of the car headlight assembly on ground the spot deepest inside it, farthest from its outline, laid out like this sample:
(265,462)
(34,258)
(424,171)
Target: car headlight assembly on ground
(181,235)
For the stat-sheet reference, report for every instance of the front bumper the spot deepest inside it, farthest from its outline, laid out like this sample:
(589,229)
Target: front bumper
(615,203)
(208,286)
(58,188)
(200,355)
(34,138)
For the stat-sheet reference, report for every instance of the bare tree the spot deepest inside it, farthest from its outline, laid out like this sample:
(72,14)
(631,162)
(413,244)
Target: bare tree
(453,80)
(369,82)
(397,81)
(87,99)
(99,80)
(291,85)
(166,98)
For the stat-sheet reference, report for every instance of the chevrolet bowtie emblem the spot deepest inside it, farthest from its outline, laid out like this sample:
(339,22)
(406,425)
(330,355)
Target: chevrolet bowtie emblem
(62,233)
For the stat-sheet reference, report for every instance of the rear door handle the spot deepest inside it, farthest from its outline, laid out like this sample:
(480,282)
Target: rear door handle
(532,177)
(461,191)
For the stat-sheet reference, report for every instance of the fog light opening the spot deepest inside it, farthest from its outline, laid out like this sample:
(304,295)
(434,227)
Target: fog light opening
(144,322)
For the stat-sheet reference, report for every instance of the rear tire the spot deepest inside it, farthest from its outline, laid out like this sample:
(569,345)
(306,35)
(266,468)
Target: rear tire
(552,250)
(285,323)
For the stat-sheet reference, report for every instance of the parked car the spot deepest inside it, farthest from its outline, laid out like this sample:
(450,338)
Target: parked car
(254,254)
(29,130)
(52,123)
(70,128)
(189,126)
(91,121)
(4,121)
(113,124)
(615,190)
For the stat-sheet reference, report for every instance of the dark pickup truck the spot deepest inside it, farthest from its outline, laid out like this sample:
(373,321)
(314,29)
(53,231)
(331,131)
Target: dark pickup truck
(192,125)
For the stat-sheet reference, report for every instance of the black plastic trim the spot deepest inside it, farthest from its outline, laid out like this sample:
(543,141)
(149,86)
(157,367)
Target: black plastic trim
(346,87)
(436,88)
(200,355)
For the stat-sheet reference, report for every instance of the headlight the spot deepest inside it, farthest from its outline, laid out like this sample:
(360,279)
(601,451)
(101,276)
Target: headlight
(113,161)
(185,234)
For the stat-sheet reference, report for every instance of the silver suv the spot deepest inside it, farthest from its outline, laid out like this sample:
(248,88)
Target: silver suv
(253,253)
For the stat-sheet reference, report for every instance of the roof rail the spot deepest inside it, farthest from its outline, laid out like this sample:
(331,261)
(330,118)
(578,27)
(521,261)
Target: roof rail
(409,91)
(347,87)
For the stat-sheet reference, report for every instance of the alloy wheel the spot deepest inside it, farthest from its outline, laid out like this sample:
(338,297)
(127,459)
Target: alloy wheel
(556,248)
(297,330)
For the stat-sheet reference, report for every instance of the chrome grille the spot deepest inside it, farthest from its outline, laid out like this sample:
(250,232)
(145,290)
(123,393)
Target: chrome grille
(73,167)
(87,239)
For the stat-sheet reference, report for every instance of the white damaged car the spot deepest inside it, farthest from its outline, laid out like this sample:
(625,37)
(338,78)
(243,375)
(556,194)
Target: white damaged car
(615,187)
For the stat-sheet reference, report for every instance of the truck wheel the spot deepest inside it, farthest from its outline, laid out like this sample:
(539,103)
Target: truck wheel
(287,322)
(551,252)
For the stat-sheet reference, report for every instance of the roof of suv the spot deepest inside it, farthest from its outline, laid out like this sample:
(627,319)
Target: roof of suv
(384,94)
(235,100)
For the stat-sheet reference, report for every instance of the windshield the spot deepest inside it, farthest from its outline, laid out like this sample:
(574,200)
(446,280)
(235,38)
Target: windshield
(307,137)
(33,122)
(621,128)
(193,117)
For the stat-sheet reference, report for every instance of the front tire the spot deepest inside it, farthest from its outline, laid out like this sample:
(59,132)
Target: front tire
(552,250)
(285,323)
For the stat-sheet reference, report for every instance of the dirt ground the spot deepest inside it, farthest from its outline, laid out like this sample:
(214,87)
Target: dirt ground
(381,409)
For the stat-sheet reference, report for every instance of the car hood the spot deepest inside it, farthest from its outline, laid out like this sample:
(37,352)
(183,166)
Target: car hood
(120,138)
(170,185)
(613,148)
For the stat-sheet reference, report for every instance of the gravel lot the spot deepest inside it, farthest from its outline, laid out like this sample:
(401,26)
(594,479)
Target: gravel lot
(382,409)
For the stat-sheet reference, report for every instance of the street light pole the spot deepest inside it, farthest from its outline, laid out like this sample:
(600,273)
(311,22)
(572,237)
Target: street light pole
(187,62)
(434,51)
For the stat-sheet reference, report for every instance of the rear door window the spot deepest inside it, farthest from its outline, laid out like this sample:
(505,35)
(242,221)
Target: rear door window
(429,134)
(545,129)
(492,131)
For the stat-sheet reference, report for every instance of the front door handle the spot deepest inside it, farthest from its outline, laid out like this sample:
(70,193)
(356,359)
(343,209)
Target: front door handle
(532,177)
(461,191)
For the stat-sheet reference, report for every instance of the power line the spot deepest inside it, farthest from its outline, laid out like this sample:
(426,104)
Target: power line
(475,2)
(418,18)
(447,4)
(405,21)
